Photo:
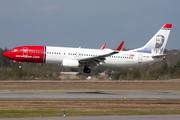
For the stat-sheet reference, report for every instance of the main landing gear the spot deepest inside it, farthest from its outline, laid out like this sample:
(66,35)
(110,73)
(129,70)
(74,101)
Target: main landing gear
(86,69)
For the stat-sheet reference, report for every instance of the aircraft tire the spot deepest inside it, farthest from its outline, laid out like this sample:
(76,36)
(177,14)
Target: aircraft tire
(86,70)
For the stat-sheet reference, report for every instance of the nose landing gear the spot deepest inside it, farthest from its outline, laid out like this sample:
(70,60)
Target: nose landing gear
(14,61)
(19,66)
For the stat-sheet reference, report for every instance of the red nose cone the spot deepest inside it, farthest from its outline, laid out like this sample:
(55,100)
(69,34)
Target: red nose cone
(6,54)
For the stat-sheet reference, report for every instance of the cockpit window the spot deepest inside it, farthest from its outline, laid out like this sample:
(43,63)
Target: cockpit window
(13,50)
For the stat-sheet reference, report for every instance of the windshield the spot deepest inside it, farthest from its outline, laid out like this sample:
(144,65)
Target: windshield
(13,50)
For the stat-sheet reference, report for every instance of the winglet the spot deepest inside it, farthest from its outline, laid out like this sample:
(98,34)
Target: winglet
(103,46)
(120,46)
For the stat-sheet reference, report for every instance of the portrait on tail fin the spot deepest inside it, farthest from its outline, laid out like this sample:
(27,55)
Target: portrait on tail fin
(159,45)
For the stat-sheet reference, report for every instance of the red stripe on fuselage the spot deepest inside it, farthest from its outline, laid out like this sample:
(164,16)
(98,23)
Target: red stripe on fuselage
(27,54)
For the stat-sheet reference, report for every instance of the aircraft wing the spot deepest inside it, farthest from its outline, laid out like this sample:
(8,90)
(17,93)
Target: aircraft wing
(97,59)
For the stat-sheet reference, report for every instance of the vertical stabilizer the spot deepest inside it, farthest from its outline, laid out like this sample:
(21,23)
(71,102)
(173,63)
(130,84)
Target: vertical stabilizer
(157,43)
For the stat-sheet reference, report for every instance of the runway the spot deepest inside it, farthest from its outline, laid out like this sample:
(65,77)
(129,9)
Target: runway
(132,117)
(59,95)
(98,95)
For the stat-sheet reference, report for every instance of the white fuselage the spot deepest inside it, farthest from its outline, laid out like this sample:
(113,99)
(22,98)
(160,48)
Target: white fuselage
(121,59)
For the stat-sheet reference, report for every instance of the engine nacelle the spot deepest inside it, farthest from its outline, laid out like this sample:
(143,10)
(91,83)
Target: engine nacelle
(69,63)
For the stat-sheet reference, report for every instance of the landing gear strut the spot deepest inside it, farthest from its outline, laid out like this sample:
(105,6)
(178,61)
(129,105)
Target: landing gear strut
(19,66)
(86,69)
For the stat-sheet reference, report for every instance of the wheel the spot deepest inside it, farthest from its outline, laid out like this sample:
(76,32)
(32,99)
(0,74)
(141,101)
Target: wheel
(86,70)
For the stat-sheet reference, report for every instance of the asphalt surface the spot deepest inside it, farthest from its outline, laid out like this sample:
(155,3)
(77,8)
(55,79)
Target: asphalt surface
(59,95)
(55,95)
(133,117)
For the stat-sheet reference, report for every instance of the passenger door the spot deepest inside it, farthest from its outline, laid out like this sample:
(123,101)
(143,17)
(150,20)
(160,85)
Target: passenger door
(140,58)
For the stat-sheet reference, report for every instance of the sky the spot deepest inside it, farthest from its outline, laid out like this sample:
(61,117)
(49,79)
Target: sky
(87,23)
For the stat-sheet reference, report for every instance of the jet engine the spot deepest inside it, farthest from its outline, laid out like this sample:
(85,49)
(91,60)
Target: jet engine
(69,63)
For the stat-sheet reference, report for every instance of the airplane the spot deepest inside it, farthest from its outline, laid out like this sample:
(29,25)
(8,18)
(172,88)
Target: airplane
(86,58)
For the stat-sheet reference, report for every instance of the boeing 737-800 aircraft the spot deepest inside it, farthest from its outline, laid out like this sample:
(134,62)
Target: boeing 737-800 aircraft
(81,57)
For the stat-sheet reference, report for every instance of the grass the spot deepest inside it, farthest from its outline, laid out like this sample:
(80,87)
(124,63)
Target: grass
(90,86)
(28,113)
(87,108)
(82,112)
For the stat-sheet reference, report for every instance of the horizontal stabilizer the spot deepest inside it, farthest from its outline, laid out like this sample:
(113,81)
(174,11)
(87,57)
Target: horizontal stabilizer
(158,56)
